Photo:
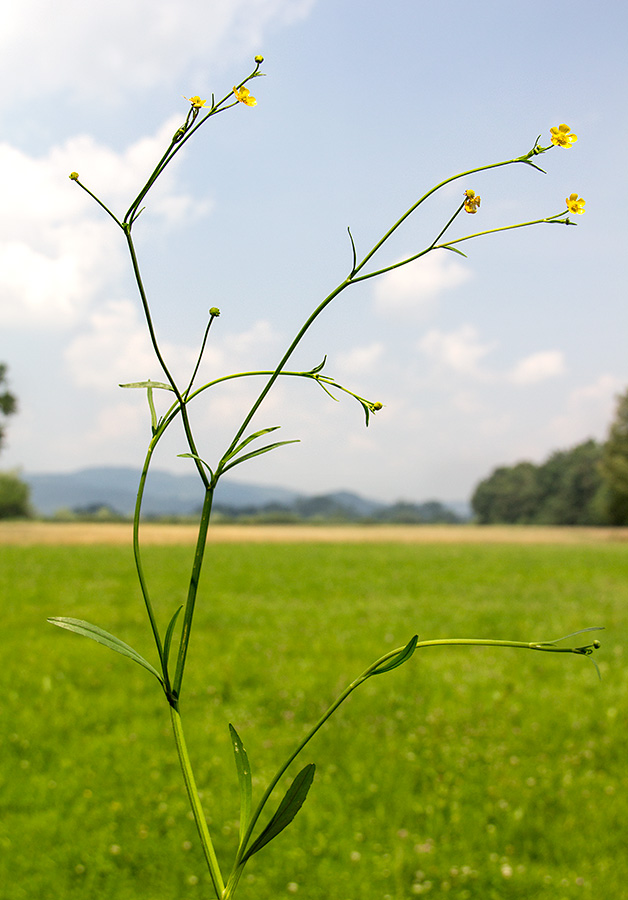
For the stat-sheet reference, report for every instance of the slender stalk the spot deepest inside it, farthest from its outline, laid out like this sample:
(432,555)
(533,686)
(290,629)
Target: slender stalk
(437,187)
(548,646)
(153,338)
(137,555)
(192,591)
(195,802)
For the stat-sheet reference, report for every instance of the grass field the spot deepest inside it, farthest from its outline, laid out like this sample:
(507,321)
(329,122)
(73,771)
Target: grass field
(480,774)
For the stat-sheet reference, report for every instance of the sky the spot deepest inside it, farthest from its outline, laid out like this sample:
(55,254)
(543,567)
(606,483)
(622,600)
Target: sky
(511,353)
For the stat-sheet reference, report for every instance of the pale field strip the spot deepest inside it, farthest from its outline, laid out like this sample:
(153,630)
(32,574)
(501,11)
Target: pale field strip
(32,533)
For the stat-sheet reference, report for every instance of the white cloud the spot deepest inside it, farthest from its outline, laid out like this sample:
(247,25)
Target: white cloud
(58,248)
(588,412)
(361,359)
(120,47)
(538,367)
(463,351)
(114,347)
(460,350)
(414,287)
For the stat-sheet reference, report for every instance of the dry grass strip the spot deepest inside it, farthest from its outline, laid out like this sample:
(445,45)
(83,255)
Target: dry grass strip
(28,533)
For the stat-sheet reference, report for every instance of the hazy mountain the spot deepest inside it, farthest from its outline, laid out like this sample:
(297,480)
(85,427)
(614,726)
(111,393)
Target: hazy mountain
(165,493)
(179,495)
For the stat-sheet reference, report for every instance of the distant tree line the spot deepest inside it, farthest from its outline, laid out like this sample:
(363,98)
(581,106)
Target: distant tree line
(586,485)
(328,509)
(14,494)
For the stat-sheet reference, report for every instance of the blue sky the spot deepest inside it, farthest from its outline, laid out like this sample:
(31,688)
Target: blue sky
(516,351)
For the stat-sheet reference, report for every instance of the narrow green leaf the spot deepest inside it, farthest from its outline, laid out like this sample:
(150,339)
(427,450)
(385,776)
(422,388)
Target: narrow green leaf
(168,637)
(148,384)
(454,250)
(198,458)
(321,382)
(107,640)
(244,777)
(286,811)
(248,440)
(259,452)
(319,367)
(398,660)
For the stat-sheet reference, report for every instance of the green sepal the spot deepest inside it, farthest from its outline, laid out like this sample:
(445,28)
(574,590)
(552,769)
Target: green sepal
(244,777)
(107,640)
(286,811)
(398,660)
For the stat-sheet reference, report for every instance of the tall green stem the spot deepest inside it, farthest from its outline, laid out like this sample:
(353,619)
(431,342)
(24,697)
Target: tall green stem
(195,802)
(192,591)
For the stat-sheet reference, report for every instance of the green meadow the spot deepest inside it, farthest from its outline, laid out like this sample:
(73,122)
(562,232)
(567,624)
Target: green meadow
(490,774)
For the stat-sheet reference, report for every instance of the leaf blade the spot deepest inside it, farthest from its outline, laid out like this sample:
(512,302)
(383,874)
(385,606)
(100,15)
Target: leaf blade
(95,633)
(292,802)
(259,452)
(161,385)
(398,660)
(243,769)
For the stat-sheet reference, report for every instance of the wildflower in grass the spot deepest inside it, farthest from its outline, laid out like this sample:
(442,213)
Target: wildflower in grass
(575,204)
(196,102)
(244,96)
(471,202)
(562,137)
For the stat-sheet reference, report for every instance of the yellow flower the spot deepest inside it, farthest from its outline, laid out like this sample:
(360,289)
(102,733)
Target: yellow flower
(244,96)
(575,204)
(561,136)
(196,102)
(471,202)
(74,176)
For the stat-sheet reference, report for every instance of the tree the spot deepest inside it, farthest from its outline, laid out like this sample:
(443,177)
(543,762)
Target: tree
(509,495)
(14,494)
(8,403)
(615,464)
(14,497)
(567,489)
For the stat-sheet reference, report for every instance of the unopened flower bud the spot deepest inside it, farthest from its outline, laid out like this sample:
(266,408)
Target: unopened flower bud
(214,312)
(377,406)
(74,176)
(259,59)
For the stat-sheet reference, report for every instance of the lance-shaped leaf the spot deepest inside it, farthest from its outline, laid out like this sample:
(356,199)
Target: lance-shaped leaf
(286,811)
(198,459)
(454,250)
(248,440)
(259,452)
(107,640)
(168,637)
(148,384)
(319,367)
(398,660)
(244,778)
